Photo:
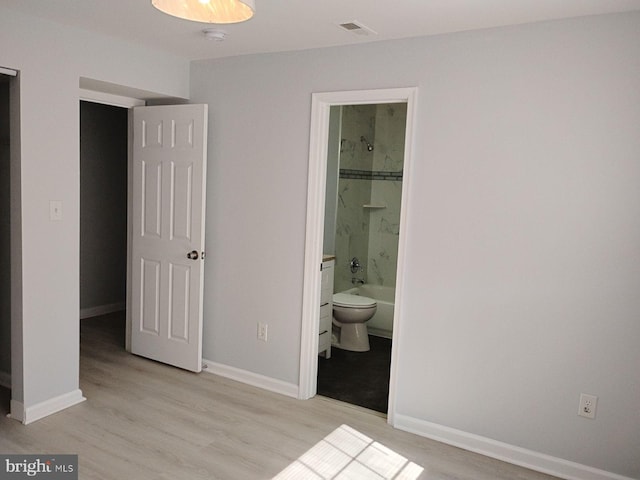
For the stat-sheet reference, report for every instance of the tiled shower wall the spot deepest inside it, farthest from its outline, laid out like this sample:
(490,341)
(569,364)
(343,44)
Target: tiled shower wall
(352,221)
(372,179)
(386,190)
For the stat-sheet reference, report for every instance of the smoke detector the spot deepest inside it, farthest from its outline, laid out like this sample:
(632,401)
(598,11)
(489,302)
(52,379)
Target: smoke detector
(357,27)
(214,34)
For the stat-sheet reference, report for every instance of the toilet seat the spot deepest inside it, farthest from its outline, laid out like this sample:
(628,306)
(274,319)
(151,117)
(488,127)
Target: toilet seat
(348,300)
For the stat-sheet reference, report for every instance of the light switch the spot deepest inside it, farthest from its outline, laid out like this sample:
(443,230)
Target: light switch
(55,210)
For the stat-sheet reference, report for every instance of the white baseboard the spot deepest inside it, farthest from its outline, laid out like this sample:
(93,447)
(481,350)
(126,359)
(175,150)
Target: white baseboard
(250,378)
(5,379)
(101,310)
(28,415)
(503,451)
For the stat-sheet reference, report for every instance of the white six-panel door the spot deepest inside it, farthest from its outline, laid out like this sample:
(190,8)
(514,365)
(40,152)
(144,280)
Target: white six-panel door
(169,173)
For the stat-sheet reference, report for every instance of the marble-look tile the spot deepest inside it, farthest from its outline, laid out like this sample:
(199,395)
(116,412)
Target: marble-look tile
(370,235)
(352,229)
(357,121)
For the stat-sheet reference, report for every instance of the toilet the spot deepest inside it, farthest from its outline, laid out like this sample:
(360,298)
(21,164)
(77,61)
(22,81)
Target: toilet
(350,312)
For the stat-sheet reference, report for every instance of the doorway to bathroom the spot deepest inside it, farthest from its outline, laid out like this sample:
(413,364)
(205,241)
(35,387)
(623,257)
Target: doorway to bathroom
(363,196)
(361,166)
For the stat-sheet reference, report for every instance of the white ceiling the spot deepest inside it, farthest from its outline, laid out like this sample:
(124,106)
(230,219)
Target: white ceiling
(284,25)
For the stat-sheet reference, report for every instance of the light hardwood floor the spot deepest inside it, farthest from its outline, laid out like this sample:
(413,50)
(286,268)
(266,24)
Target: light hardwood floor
(145,420)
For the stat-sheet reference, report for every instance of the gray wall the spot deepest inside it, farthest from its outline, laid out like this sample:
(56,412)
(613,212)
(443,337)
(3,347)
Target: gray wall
(103,205)
(523,218)
(5,274)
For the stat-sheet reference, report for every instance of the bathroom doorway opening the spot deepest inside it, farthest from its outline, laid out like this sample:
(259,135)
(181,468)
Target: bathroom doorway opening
(323,190)
(363,196)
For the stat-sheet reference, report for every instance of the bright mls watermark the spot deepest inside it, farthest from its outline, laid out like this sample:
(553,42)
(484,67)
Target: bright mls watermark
(50,467)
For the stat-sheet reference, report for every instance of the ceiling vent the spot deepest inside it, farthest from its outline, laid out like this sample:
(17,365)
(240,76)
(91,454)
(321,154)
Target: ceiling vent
(357,28)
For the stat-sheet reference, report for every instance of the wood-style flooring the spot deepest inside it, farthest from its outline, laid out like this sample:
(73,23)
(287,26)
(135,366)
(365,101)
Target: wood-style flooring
(144,420)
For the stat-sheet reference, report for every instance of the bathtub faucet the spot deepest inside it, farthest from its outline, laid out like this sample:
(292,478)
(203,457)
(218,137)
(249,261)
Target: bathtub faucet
(357,281)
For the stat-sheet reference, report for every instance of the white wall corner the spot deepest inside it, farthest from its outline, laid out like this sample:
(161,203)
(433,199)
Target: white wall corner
(250,378)
(40,410)
(17,411)
(505,452)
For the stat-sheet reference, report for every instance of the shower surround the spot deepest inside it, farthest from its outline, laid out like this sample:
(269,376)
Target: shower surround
(369,193)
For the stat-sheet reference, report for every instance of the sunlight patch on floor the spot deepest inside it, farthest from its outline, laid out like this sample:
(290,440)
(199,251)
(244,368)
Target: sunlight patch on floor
(346,454)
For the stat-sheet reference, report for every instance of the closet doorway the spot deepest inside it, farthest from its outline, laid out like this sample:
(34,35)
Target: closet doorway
(103,208)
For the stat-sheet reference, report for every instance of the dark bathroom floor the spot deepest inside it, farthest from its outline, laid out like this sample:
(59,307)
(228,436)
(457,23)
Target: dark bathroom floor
(359,378)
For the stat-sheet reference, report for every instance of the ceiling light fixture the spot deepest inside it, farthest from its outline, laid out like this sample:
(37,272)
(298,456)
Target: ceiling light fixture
(208,11)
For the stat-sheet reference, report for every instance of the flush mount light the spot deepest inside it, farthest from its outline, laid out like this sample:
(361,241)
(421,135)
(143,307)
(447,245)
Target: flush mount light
(208,11)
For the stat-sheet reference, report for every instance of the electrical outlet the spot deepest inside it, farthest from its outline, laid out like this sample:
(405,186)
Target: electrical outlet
(588,404)
(262,331)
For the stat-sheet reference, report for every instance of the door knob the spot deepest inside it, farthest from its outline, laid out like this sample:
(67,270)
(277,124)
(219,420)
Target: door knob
(192,255)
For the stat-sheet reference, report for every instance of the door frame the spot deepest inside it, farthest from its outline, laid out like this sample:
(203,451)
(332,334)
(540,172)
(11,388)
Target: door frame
(128,103)
(321,104)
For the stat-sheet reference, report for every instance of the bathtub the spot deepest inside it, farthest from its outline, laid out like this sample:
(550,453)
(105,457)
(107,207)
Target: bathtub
(381,325)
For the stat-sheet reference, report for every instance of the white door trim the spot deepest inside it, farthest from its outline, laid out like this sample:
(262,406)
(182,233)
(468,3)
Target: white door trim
(94,96)
(320,107)
(8,71)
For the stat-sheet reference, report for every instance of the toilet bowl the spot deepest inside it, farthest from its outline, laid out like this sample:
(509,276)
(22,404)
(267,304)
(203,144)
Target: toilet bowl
(350,312)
